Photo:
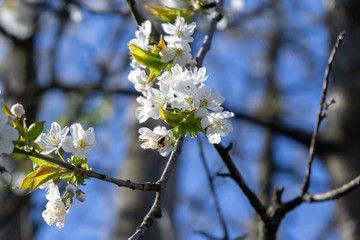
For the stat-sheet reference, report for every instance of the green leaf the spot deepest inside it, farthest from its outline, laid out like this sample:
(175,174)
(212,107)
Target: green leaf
(35,130)
(146,58)
(169,14)
(5,109)
(39,162)
(183,123)
(171,118)
(36,178)
(190,124)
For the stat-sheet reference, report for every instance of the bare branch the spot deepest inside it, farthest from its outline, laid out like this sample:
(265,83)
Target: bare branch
(206,45)
(143,186)
(134,12)
(155,211)
(335,193)
(213,192)
(238,178)
(321,113)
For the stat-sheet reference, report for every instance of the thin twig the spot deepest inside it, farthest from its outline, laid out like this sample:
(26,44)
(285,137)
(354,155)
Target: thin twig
(321,113)
(155,210)
(142,186)
(335,193)
(213,192)
(134,12)
(206,45)
(238,178)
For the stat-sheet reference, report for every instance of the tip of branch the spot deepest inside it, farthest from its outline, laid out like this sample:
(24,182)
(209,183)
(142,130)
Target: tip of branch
(342,35)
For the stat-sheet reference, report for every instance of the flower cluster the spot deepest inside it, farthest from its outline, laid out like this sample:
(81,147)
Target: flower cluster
(178,94)
(79,143)
(57,207)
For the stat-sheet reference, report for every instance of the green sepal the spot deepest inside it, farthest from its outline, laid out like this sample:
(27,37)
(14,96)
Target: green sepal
(43,174)
(167,14)
(35,130)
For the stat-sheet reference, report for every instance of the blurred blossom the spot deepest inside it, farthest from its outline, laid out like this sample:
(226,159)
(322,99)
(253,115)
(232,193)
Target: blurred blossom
(17,18)
(74,12)
(237,5)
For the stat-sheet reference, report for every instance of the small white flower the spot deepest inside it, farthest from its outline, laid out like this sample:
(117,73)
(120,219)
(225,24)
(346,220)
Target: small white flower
(140,80)
(80,142)
(155,98)
(178,52)
(159,139)
(52,190)
(175,75)
(55,213)
(179,31)
(142,36)
(217,125)
(208,101)
(198,75)
(18,110)
(7,136)
(53,140)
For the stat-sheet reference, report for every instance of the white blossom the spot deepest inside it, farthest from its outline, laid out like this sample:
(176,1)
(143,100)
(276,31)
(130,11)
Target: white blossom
(174,76)
(142,36)
(155,98)
(180,31)
(18,110)
(52,190)
(7,136)
(80,142)
(53,140)
(55,213)
(178,52)
(159,139)
(208,101)
(217,125)
(140,80)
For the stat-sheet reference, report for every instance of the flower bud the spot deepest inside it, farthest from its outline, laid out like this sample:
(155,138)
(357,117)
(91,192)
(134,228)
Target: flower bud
(5,178)
(80,195)
(70,189)
(18,110)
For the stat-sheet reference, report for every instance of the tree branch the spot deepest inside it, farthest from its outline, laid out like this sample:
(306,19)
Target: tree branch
(155,211)
(134,12)
(238,178)
(142,186)
(321,113)
(206,45)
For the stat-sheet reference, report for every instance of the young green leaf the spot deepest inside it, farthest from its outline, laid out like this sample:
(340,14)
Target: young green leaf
(35,130)
(39,162)
(5,109)
(171,118)
(146,58)
(169,14)
(43,174)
